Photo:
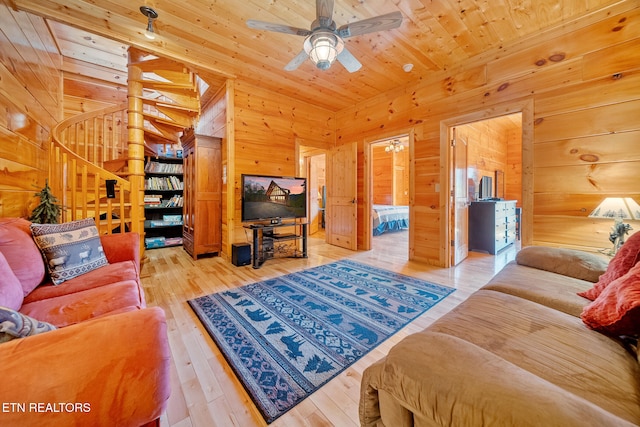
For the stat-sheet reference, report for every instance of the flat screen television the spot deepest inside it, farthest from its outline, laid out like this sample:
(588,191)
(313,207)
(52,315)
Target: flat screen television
(273,198)
(486,188)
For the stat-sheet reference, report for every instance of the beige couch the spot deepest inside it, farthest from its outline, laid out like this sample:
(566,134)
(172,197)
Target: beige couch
(515,353)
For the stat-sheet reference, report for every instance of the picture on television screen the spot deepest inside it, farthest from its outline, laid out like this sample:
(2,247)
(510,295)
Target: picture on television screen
(272,197)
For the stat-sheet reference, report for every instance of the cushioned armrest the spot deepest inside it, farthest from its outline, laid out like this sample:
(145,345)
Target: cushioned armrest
(445,381)
(121,247)
(104,372)
(568,262)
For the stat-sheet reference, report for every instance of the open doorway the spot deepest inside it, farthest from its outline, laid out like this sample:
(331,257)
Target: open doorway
(485,168)
(312,165)
(390,193)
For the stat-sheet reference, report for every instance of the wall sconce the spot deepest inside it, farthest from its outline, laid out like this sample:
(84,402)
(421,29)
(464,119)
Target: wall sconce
(618,208)
(151,16)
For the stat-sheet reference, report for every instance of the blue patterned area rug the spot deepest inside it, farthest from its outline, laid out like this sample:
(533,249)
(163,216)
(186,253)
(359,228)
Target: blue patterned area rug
(285,337)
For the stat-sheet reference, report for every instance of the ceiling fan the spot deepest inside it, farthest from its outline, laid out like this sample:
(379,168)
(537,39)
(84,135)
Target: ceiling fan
(324,43)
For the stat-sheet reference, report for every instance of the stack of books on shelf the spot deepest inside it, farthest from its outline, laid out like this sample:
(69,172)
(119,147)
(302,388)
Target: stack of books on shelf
(163,183)
(160,241)
(157,167)
(167,220)
(174,202)
(152,199)
(154,242)
(171,241)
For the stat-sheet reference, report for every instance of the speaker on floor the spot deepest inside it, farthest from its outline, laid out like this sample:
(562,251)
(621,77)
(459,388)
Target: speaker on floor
(240,254)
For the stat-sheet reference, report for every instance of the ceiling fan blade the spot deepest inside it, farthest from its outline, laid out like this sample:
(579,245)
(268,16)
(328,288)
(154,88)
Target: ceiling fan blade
(324,12)
(379,23)
(279,28)
(349,61)
(297,61)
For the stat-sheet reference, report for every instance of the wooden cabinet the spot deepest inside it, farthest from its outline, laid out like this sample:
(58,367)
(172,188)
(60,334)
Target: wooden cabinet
(202,229)
(492,225)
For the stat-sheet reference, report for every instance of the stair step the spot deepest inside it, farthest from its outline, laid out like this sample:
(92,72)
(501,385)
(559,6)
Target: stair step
(184,117)
(173,88)
(177,107)
(178,77)
(151,65)
(115,165)
(167,123)
(160,138)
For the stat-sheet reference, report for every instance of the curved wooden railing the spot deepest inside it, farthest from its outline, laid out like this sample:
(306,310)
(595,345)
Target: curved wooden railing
(97,136)
(80,146)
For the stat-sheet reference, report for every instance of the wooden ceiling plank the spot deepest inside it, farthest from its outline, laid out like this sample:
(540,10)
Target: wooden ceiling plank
(90,41)
(212,38)
(31,55)
(87,69)
(93,56)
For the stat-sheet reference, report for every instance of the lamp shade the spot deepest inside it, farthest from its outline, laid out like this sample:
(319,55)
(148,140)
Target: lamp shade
(617,207)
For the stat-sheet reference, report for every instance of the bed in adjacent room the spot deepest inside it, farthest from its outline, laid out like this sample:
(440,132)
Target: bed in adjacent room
(390,218)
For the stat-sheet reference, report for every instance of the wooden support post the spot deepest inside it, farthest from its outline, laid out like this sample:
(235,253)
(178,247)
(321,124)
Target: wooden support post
(136,144)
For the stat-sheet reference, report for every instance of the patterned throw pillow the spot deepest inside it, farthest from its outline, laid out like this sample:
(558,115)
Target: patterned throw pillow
(70,249)
(14,324)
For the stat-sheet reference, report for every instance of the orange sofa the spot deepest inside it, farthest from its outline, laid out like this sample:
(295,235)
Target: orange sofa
(106,364)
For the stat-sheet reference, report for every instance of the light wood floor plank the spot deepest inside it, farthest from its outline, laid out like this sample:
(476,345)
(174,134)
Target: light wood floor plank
(205,391)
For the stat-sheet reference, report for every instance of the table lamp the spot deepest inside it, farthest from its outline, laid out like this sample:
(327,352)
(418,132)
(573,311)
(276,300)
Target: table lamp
(618,208)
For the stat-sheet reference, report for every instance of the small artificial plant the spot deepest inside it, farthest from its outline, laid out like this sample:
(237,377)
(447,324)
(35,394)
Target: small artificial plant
(48,210)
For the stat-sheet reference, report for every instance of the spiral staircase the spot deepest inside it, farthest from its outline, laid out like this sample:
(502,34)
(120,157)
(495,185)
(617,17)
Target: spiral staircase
(97,158)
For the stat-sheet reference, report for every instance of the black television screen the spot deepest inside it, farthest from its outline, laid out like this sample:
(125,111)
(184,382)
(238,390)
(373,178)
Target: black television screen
(273,197)
(486,188)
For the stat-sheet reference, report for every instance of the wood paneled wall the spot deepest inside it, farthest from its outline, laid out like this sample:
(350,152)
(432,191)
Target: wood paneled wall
(382,179)
(584,83)
(390,180)
(494,144)
(267,128)
(30,105)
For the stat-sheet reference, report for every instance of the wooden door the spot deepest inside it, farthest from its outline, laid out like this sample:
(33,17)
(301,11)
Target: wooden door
(312,189)
(342,180)
(459,190)
(208,198)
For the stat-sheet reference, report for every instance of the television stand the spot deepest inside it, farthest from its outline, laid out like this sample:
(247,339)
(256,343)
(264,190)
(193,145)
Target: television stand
(272,241)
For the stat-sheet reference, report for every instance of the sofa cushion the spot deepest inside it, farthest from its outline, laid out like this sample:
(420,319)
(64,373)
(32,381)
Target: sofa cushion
(626,257)
(543,287)
(14,324)
(77,307)
(103,276)
(21,252)
(616,311)
(552,351)
(70,249)
(11,294)
(568,262)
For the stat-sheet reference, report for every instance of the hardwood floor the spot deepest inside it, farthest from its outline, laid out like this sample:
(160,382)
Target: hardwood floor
(205,391)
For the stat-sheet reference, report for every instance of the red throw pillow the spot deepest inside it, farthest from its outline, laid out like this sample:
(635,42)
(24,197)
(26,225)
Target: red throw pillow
(21,252)
(621,263)
(617,310)
(11,294)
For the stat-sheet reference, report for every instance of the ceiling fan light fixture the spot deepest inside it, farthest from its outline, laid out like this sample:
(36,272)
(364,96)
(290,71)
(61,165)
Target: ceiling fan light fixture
(323,48)
(394,146)
(151,16)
